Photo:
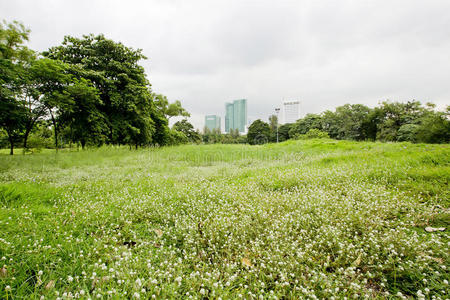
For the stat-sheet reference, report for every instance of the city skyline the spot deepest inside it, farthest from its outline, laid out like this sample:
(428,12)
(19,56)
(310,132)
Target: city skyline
(289,112)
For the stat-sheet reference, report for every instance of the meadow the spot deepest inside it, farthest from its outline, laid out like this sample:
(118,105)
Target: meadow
(300,219)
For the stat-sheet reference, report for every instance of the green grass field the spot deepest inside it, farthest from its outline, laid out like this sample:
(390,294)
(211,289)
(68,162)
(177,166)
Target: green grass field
(300,219)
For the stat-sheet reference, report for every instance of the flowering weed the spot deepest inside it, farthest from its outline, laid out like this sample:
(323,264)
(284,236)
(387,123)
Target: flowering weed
(300,219)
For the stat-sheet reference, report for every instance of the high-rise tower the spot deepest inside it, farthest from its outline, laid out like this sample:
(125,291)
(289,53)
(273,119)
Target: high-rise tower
(212,122)
(229,117)
(291,111)
(236,115)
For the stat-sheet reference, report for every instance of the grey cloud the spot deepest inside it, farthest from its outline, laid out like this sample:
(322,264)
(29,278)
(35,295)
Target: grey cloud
(324,53)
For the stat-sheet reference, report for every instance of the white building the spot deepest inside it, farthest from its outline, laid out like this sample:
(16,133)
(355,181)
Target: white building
(291,111)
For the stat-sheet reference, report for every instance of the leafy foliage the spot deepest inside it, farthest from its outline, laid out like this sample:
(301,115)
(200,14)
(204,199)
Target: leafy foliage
(169,110)
(123,89)
(313,134)
(188,130)
(92,89)
(390,121)
(14,56)
(258,133)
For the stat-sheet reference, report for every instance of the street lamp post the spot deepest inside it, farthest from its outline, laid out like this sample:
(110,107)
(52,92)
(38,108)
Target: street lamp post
(277,110)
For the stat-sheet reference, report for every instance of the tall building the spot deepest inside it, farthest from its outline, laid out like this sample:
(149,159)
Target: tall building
(236,115)
(212,122)
(291,111)
(229,124)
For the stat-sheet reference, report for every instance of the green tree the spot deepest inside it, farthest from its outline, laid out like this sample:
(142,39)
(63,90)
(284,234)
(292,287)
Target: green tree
(51,78)
(14,55)
(234,133)
(407,133)
(273,124)
(124,91)
(188,129)
(351,119)
(176,137)
(330,123)
(392,115)
(30,92)
(258,133)
(302,126)
(84,121)
(169,110)
(315,134)
(283,132)
(434,127)
(12,118)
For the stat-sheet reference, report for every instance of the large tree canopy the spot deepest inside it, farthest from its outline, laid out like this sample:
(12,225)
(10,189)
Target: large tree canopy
(124,91)
(258,133)
(87,90)
(188,130)
(14,56)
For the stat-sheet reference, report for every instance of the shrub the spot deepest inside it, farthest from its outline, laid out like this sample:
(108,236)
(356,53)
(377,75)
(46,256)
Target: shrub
(177,138)
(312,134)
(407,133)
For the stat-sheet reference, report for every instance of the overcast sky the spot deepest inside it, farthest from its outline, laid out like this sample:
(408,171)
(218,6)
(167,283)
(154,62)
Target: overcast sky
(323,53)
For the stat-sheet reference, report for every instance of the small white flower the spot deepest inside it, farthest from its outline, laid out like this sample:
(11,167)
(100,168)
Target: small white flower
(138,282)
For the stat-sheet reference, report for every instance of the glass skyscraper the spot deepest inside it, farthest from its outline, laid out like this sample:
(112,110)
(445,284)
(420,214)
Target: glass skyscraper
(236,115)
(229,124)
(212,122)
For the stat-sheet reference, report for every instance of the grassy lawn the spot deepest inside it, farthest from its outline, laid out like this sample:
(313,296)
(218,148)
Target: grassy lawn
(300,219)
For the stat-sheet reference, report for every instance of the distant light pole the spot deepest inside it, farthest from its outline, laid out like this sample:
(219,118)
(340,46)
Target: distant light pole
(277,110)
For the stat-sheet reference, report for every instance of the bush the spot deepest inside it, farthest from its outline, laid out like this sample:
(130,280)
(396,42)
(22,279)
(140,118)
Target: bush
(258,133)
(36,140)
(312,134)
(177,138)
(407,133)
(435,128)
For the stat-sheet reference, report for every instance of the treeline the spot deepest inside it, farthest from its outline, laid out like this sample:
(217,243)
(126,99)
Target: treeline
(389,121)
(87,91)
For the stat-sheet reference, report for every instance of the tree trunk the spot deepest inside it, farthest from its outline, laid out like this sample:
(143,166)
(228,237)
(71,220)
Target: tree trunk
(110,135)
(11,143)
(83,144)
(25,137)
(56,136)
(55,129)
